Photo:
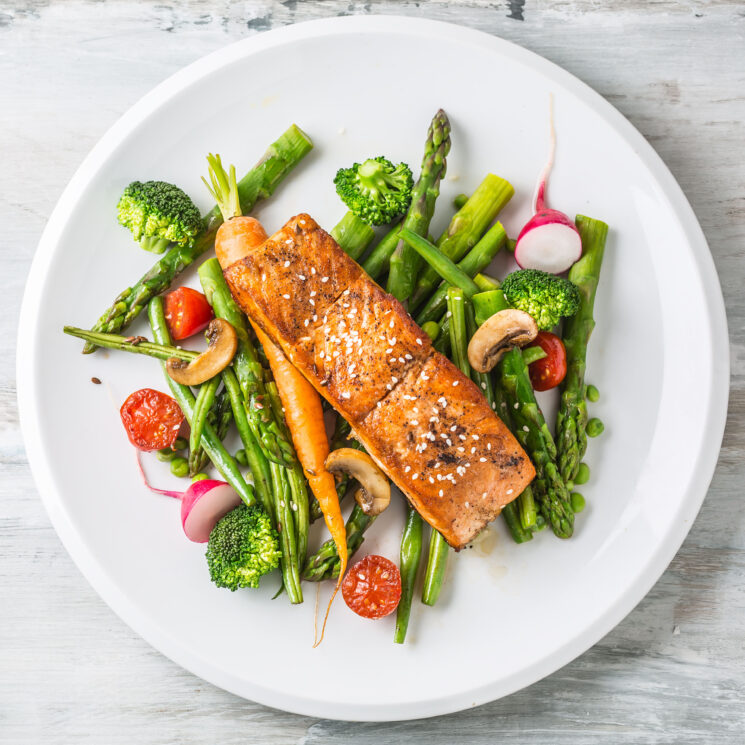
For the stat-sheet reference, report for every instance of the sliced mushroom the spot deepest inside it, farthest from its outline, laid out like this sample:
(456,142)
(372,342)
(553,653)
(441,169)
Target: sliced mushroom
(502,332)
(374,494)
(222,343)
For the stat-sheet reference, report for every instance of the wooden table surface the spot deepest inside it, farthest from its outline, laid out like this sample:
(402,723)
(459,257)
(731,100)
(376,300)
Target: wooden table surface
(672,672)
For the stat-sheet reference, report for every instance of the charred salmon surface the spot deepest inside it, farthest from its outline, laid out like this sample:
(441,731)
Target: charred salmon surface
(426,424)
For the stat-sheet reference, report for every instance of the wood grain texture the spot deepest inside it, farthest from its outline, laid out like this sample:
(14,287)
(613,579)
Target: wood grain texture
(72,672)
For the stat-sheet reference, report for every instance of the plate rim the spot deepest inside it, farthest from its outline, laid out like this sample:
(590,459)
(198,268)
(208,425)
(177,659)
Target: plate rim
(691,501)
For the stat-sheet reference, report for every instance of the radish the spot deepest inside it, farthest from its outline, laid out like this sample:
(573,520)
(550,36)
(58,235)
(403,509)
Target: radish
(549,241)
(203,504)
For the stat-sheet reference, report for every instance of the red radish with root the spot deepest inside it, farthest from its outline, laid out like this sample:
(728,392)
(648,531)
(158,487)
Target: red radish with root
(203,504)
(549,241)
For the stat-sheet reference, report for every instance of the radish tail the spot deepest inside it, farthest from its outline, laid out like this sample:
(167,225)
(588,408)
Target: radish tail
(174,494)
(539,200)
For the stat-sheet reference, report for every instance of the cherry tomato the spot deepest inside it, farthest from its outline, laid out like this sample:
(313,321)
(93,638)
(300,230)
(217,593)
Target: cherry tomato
(548,372)
(151,418)
(372,587)
(187,312)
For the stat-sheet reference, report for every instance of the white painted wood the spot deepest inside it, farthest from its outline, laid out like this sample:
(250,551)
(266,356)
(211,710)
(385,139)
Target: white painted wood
(72,672)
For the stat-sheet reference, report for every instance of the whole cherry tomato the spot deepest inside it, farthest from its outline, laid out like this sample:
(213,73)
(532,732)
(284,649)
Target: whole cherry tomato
(187,312)
(372,587)
(151,418)
(548,372)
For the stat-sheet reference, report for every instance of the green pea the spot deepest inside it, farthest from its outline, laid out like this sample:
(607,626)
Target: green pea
(570,485)
(240,456)
(595,427)
(460,200)
(180,444)
(199,477)
(540,522)
(593,394)
(583,474)
(431,329)
(578,502)
(180,467)
(166,454)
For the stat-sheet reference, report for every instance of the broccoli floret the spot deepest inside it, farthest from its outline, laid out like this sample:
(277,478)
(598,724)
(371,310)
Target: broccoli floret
(376,191)
(243,546)
(544,296)
(158,213)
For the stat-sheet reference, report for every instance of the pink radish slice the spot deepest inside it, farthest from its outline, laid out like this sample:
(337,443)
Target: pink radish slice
(203,504)
(549,241)
(201,512)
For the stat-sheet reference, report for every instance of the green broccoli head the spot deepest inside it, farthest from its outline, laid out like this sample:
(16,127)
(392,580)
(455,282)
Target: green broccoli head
(158,213)
(376,191)
(544,296)
(243,547)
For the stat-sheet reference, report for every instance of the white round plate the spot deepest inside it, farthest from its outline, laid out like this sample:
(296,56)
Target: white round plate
(509,614)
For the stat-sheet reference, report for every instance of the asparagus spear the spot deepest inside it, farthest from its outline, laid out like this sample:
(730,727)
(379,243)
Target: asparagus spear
(353,235)
(259,183)
(219,417)
(404,262)
(410,558)
(475,261)
(571,420)
(438,548)
(465,229)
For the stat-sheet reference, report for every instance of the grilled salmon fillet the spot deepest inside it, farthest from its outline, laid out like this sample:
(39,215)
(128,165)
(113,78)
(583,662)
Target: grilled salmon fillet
(426,424)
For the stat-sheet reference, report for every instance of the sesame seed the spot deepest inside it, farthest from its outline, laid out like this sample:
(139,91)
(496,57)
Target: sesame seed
(346,395)
(407,469)
(467,505)
(288,242)
(313,293)
(439,477)
(388,351)
(448,314)
(394,379)
(454,427)
(388,386)
(517,405)
(336,353)
(526,428)
(311,301)
(441,492)
(482,460)
(483,386)
(286,297)
(324,279)
(392,360)
(461,450)
(473,450)
(509,491)
(488,446)
(306,322)
(287,263)
(315,318)
(322,355)
(391,324)
(438,464)
(312,270)
(475,437)
(434,419)
(431,480)
(301,276)
(425,377)
(401,360)
(415,477)
(483,496)
(263,277)
(408,356)
(392,341)
(449,441)
(462,437)
(455,382)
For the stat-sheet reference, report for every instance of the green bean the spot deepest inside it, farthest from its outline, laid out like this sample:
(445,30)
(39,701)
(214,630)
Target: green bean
(411,556)
(533,354)
(205,399)
(435,571)
(211,443)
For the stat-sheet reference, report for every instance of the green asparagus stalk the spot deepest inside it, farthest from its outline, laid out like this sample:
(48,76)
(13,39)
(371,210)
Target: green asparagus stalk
(376,264)
(205,400)
(219,418)
(353,235)
(405,263)
(571,420)
(259,183)
(465,229)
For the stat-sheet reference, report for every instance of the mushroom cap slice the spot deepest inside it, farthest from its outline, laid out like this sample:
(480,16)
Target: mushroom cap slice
(222,345)
(500,333)
(374,494)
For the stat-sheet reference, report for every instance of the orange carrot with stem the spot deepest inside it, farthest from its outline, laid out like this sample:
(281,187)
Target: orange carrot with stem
(304,415)
(237,236)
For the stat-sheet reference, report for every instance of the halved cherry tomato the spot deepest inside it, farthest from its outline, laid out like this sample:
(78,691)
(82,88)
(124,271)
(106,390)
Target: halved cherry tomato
(151,418)
(187,312)
(372,587)
(548,372)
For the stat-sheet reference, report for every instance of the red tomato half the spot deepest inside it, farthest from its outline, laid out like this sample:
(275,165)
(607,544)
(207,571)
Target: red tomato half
(372,587)
(548,372)
(187,312)
(151,418)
